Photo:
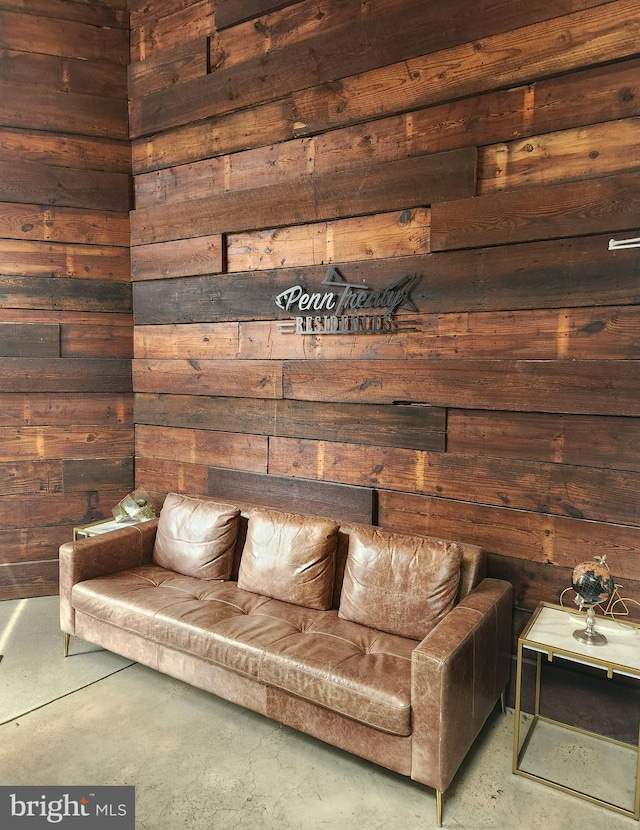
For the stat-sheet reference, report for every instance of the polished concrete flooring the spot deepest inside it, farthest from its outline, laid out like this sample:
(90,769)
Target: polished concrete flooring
(200,763)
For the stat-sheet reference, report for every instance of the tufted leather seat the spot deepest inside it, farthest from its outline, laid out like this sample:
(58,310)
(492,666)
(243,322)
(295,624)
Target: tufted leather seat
(343,666)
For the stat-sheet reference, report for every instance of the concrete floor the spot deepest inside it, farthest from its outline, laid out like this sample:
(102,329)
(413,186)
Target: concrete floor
(200,763)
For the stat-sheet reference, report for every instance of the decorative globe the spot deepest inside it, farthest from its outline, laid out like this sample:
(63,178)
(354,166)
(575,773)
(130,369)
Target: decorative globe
(592,581)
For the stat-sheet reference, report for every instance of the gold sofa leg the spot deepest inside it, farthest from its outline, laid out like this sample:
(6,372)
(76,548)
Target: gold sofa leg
(439,808)
(67,637)
(503,701)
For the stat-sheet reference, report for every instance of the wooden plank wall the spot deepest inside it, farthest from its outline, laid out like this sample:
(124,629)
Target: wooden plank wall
(66,334)
(489,147)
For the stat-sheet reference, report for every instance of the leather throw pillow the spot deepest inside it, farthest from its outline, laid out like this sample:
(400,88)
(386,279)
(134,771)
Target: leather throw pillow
(196,537)
(398,583)
(290,558)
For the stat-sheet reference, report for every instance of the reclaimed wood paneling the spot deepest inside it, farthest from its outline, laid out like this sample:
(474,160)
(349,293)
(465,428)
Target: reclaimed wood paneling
(391,426)
(609,442)
(246,379)
(66,334)
(536,275)
(518,534)
(185,257)
(586,387)
(600,205)
(564,490)
(319,498)
(213,448)
(29,340)
(42,184)
(504,411)
(506,59)
(326,58)
(397,185)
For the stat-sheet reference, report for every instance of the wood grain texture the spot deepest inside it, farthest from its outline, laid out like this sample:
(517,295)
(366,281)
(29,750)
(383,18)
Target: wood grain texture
(249,379)
(203,446)
(29,374)
(64,294)
(407,183)
(202,255)
(587,387)
(231,12)
(56,259)
(608,442)
(29,340)
(521,535)
(608,204)
(564,490)
(64,409)
(317,498)
(60,224)
(398,426)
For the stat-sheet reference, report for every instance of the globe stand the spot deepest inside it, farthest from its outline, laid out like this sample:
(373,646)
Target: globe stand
(588,635)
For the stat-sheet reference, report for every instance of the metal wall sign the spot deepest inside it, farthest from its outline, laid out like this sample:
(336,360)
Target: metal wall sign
(348,308)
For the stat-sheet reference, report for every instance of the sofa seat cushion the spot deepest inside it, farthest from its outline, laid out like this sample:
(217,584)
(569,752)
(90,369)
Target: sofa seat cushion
(348,668)
(357,671)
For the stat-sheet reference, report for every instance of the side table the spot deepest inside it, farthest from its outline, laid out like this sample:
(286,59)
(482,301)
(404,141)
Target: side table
(101,526)
(550,633)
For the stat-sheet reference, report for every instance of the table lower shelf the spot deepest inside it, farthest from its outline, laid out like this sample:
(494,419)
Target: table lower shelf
(578,762)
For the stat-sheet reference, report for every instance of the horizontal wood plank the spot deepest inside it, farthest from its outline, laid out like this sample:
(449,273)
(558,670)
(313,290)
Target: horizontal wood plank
(54,509)
(47,442)
(64,409)
(398,426)
(29,579)
(103,474)
(584,152)
(266,124)
(41,184)
(505,58)
(248,379)
(61,111)
(564,490)
(67,225)
(111,13)
(187,61)
(61,293)
(77,340)
(203,446)
(586,387)
(231,12)
(607,204)
(520,535)
(55,259)
(202,341)
(159,477)
(73,40)
(316,498)
(182,258)
(33,543)
(29,340)
(344,240)
(83,152)
(608,442)
(398,185)
(26,374)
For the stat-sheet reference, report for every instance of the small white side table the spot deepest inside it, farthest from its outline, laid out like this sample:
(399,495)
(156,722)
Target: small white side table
(550,633)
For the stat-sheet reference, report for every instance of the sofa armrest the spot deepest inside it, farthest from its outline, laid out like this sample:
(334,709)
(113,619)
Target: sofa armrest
(101,555)
(458,672)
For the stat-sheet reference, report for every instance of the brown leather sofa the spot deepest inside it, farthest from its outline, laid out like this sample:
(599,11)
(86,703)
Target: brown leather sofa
(391,646)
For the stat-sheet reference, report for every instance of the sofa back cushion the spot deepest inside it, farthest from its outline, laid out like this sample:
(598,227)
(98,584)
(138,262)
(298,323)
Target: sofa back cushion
(289,557)
(398,583)
(196,537)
